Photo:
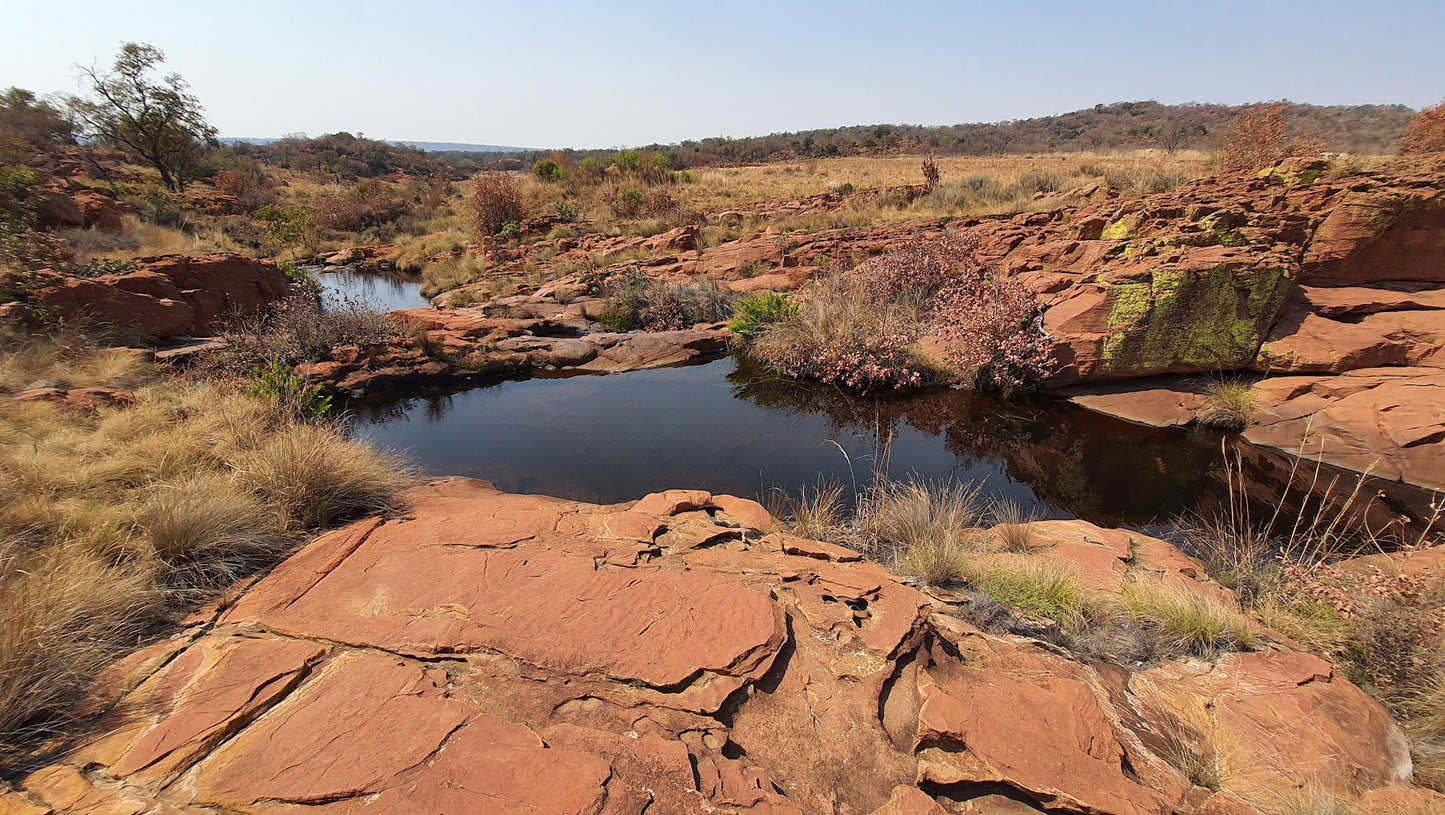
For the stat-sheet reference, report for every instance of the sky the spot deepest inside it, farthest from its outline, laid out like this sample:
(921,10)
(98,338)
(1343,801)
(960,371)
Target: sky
(609,74)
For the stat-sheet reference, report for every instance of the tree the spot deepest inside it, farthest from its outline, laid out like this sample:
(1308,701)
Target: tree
(1259,138)
(157,119)
(33,120)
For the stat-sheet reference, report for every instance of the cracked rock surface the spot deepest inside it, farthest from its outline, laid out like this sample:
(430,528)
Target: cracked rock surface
(522,655)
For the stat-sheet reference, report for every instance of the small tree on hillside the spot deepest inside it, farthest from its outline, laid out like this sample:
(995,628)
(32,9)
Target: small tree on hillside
(1426,132)
(1260,138)
(157,119)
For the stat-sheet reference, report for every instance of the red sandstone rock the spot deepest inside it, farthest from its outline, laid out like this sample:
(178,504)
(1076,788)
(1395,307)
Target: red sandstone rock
(522,654)
(170,295)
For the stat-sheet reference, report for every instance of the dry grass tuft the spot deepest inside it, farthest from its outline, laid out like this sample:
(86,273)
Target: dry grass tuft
(1034,587)
(313,476)
(819,513)
(1228,405)
(930,526)
(65,613)
(1186,621)
(208,531)
(1015,525)
(113,521)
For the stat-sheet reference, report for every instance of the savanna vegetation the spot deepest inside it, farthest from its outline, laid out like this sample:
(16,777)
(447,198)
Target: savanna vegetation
(116,521)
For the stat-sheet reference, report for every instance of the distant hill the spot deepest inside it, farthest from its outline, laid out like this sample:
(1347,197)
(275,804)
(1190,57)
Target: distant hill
(428,146)
(1117,126)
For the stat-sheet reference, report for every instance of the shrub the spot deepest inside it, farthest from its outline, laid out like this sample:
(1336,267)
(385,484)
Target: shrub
(248,189)
(496,202)
(278,383)
(841,337)
(993,328)
(1036,181)
(1426,132)
(846,188)
(637,302)
(286,227)
(1259,138)
(931,174)
(296,330)
(547,170)
(624,202)
(758,310)
(368,204)
(568,213)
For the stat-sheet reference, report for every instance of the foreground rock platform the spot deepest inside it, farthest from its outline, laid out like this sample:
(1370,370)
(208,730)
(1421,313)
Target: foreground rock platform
(493,653)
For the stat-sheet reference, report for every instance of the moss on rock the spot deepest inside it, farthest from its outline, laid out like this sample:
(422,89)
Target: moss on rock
(1214,318)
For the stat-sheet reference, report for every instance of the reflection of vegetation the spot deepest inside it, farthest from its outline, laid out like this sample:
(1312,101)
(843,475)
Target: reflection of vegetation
(1084,464)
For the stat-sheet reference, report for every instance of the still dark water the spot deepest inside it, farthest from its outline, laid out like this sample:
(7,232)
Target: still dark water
(380,291)
(727,427)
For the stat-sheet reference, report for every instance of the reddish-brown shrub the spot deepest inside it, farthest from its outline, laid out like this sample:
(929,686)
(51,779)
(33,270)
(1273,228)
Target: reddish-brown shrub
(860,328)
(496,202)
(1426,132)
(250,193)
(1260,138)
(367,204)
(992,327)
(931,174)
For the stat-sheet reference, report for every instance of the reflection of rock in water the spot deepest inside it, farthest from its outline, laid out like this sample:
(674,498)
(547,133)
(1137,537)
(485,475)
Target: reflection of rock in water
(1316,493)
(1088,464)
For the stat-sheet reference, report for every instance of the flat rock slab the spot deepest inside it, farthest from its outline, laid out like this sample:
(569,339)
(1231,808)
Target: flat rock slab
(524,655)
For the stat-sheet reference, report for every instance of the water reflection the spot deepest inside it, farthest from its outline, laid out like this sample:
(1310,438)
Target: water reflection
(385,291)
(727,426)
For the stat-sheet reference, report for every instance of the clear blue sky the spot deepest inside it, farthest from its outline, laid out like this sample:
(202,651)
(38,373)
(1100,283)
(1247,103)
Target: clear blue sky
(602,74)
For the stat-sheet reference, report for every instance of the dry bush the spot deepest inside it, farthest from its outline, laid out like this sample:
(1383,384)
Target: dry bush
(299,329)
(1260,138)
(496,201)
(1426,132)
(249,191)
(931,174)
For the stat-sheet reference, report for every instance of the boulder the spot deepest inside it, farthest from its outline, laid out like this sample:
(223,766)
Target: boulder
(169,295)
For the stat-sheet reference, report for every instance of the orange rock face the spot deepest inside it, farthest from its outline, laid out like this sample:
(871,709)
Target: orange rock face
(524,655)
(169,295)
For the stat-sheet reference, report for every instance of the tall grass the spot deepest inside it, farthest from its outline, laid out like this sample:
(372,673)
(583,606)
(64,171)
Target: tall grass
(114,521)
